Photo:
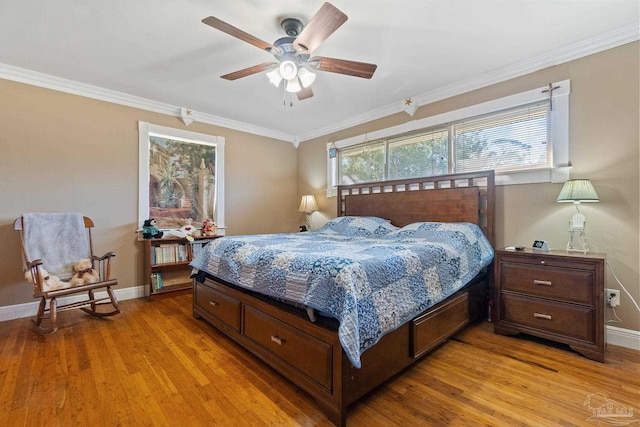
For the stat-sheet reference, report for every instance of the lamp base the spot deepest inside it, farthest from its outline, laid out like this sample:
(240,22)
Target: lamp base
(308,220)
(584,251)
(577,240)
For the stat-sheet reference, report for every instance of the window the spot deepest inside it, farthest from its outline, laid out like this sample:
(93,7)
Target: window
(362,164)
(421,154)
(181,176)
(520,137)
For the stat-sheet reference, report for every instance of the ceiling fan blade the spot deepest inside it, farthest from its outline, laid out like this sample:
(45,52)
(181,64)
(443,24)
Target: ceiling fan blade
(236,32)
(248,71)
(342,66)
(305,93)
(326,20)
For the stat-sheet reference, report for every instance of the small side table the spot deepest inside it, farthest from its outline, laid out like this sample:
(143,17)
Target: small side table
(554,295)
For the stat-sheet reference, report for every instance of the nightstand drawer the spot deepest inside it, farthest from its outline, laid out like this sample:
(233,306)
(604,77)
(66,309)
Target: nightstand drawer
(550,282)
(566,319)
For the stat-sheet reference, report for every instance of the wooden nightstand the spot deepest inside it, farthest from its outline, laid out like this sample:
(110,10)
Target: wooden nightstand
(554,295)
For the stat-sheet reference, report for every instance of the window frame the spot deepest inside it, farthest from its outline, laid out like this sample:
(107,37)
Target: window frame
(559,135)
(145,130)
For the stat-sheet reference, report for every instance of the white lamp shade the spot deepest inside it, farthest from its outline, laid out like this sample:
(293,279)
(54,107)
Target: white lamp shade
(274,77)
(577,191)
(308,204)
(288,69)
(293,85)
(306,77)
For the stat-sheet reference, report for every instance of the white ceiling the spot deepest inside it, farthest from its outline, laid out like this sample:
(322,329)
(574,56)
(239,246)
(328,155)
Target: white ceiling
(159,51)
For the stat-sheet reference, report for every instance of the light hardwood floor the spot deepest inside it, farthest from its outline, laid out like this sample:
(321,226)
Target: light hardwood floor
(155,365)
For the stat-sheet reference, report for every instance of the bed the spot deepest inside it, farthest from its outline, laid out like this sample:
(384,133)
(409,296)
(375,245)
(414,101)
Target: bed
(310,306)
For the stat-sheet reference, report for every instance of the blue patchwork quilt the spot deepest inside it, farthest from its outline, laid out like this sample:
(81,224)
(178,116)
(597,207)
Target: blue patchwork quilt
(369,275)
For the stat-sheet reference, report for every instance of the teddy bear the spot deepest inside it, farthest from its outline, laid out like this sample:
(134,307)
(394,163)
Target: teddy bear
(49,281)
(149,229)
(188,228)
(84,273)
(209,227)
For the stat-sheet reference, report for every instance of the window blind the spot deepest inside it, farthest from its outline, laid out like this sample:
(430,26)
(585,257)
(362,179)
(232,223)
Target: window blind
(513,139)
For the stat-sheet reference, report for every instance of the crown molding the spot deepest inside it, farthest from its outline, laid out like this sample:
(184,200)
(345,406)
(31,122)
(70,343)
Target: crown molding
(47,81)
(567,53)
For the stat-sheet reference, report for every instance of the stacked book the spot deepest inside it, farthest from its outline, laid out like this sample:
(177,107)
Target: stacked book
(169,253)
(156,281)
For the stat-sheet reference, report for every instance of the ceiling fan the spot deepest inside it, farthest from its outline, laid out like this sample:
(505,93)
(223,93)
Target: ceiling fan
(295,65)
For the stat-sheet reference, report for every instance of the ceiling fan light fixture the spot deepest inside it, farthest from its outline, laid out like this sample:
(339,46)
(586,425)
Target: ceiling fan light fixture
(293,53)
(288,69)
(306,77)
(274,77)
(293,85)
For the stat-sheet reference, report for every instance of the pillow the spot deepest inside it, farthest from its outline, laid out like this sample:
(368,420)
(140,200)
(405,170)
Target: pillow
(443,232)
(358,226)
(420,229)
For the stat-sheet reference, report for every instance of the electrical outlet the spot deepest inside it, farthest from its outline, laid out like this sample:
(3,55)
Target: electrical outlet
(612,297)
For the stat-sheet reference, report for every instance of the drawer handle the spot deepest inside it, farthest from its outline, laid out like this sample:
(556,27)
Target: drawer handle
(542,316)
(213,303)
(542,282)
(277,339)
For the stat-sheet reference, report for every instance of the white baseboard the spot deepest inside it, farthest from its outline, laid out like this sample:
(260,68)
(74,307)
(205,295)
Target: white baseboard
(615,336)
(10,312)
(623,337)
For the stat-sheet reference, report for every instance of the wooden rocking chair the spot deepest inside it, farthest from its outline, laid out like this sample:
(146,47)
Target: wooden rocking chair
(40,279)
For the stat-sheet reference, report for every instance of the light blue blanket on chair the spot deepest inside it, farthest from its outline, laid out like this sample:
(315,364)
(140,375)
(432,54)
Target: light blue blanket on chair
(58,239)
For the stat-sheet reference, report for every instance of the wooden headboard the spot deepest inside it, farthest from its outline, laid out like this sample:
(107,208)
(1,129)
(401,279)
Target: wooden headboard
(466,197)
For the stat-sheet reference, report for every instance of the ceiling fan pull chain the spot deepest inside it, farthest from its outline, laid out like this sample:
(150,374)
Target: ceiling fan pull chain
(284,97)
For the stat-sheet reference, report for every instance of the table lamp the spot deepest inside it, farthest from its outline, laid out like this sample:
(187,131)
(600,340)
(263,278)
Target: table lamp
(308,204)
(578,191)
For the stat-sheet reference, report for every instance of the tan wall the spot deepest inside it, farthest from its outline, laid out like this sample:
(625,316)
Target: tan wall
(66,153)
(604,147)
(62,152)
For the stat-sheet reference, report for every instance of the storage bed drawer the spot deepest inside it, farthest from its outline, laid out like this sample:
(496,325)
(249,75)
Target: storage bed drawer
(432,328)
(218,304)
(307,354)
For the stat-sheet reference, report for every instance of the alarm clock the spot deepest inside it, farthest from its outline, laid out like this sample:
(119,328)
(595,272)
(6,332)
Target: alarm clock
(540,245)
